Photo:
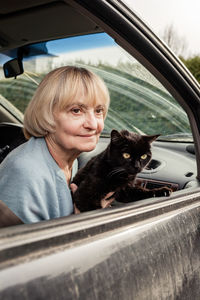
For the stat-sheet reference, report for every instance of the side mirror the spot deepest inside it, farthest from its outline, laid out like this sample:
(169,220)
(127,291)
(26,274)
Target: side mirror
(13,68)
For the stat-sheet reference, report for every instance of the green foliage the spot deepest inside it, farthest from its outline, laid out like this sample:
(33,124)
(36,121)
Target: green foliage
(18,91)
(193,65)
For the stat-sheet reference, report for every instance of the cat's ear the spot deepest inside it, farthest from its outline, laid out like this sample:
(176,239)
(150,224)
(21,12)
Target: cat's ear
(151,138)
(125,133)
(115,135)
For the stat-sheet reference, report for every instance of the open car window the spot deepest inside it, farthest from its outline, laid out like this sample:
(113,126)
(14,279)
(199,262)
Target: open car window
(139,102)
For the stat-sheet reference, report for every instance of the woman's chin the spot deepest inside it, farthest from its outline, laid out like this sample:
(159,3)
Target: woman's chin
(88,148)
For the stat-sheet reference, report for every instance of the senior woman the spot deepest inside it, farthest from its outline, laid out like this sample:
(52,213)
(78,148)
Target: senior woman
(64,118)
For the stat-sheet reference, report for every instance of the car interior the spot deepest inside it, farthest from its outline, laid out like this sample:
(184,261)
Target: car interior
(37,36)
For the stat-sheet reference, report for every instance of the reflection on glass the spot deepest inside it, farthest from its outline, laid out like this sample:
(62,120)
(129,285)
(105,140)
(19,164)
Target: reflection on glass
(138,101)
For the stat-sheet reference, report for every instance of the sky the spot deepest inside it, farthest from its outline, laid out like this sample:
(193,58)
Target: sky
(85,42)
(184,15)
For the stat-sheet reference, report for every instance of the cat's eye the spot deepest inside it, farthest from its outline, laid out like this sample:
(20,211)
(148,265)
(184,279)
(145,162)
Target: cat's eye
(126,155)
(144,156)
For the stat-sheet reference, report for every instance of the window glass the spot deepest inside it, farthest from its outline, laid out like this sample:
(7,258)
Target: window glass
(138,100)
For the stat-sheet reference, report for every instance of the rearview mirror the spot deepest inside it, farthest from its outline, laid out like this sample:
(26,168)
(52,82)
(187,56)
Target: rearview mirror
(13,68)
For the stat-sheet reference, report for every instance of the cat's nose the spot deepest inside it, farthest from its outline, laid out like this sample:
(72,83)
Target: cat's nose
(137,167)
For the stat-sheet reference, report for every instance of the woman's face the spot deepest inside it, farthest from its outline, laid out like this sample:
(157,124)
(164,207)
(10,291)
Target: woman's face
(78,127)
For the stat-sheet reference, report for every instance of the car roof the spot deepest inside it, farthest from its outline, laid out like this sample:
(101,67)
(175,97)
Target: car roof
(25,22)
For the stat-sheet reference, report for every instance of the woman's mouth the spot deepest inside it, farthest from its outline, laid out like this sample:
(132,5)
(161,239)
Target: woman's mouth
(87,135)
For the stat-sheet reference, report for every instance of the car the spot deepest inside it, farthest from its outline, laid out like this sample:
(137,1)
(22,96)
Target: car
(147,249)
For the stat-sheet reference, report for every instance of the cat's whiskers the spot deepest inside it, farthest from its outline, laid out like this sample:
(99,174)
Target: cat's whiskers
(117,171)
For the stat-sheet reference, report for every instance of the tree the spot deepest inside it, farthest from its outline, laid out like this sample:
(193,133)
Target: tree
(176,43)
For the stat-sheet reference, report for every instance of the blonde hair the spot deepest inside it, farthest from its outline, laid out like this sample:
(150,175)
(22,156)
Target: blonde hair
(57,90)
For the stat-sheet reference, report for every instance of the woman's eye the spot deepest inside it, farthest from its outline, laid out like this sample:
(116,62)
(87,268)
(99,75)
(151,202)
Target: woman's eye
(126,155)
(99,111)
(144,156)
(76,110)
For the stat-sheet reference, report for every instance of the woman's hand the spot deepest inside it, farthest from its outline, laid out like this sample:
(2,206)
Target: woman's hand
(104,203)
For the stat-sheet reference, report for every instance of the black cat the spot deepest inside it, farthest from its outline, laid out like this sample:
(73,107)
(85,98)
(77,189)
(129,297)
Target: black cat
(115,169)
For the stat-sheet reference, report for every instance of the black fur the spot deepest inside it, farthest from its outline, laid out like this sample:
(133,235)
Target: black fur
(113,170)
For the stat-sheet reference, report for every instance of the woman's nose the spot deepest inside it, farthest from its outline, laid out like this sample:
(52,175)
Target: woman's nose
(90,121)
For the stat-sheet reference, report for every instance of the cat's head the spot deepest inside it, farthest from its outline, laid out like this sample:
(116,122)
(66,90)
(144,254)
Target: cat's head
(130,151)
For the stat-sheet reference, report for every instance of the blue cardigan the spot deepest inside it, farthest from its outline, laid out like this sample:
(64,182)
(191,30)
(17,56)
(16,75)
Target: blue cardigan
(32,185)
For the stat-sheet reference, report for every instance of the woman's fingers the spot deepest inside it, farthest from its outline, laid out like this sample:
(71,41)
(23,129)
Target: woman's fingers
(106,203)
(73,188)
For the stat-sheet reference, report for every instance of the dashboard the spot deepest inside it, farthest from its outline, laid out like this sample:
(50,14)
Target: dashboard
(173,164)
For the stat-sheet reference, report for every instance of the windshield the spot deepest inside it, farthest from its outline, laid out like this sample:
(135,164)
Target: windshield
(139,102)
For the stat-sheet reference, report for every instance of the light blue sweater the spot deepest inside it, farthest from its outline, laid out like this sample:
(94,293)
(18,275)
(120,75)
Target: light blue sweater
(32,185)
